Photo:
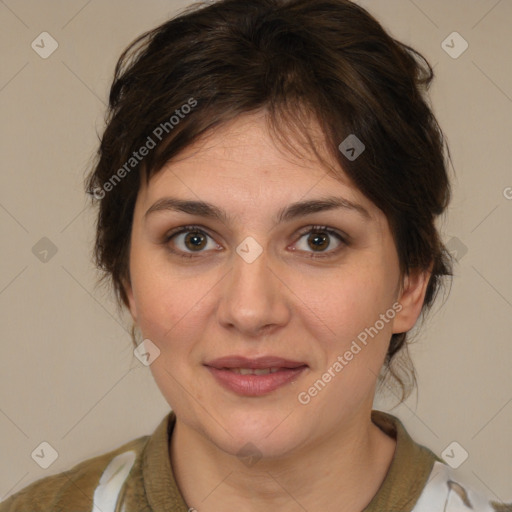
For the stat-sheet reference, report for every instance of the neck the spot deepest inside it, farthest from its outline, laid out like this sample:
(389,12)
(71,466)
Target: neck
(340,472)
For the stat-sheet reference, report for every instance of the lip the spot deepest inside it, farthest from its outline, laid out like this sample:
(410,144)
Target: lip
(254,385)
(254,363)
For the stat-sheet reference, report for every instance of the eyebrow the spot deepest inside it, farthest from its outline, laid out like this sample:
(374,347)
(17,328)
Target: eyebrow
(290,212)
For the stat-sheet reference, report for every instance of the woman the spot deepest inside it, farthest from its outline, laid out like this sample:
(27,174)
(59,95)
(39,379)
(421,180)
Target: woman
(268,184)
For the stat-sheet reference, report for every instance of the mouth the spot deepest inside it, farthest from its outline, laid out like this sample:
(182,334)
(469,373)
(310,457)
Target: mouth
(252,371)
(255,377)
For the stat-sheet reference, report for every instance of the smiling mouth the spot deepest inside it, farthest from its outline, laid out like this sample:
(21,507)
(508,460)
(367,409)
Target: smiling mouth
(253,382)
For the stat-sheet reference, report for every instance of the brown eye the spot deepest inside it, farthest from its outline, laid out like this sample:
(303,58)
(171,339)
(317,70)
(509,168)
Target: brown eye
(195,240)
(187,240)
(318,241)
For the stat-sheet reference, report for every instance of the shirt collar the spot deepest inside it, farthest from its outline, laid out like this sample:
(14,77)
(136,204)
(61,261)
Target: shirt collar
(406,477)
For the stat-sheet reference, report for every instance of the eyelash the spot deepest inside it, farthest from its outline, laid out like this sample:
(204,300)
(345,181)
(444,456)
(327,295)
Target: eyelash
(309,230)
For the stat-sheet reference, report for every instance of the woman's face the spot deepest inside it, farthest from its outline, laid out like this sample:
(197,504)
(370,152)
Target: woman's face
(241,250)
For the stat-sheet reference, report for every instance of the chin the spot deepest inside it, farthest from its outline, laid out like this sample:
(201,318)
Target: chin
(253,449)
(257,434)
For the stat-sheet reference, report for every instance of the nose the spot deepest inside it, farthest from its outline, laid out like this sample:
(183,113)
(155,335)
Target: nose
(253,298)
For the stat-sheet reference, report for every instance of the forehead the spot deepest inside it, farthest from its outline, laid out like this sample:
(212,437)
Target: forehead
(241,175)
(251,135)
(247,151)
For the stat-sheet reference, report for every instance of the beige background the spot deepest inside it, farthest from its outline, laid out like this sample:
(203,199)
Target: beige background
(67,372)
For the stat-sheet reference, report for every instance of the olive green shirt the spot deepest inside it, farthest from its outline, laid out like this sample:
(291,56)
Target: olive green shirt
(150,485)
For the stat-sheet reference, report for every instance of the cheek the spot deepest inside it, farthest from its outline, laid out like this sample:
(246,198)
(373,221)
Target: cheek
(171,316)
(353,338)
(346,301)
(173,312)
(169,303)
(351,334)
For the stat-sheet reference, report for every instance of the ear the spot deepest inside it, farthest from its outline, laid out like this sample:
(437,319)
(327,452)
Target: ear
(131,300)
(411,299)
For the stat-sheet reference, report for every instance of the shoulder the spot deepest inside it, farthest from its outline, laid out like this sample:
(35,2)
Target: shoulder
(420,481)
(446,491)
(74,489)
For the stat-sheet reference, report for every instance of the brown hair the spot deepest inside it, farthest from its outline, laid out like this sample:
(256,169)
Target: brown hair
(299,60)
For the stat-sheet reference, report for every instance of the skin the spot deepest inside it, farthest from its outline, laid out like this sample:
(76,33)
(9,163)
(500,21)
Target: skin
(326,455)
